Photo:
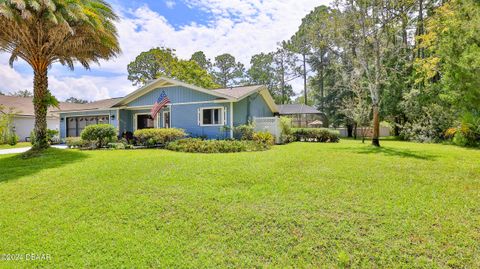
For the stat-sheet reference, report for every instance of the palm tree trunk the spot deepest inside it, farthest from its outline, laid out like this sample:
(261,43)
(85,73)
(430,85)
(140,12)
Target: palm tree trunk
(376,127)
(40,90)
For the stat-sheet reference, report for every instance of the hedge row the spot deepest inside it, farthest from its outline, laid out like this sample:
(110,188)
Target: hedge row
(158,136)
(316,135)
(216,146)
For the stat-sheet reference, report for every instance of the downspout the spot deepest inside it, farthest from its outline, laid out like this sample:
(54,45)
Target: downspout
(231,120)
(248,110)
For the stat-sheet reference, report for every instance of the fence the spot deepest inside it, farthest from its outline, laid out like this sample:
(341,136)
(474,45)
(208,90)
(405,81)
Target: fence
(368,131)
(269,124)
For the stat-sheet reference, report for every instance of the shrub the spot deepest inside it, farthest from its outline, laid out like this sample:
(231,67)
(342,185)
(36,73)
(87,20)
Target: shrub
(286,126)
(13,139)
(116,145)
(99,134)
(264,138)
(158,136)
(76,142)
(243,132)
(316,135)
(52,137)
(215,146)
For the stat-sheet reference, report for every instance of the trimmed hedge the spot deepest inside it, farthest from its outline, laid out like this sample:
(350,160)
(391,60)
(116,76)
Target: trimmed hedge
(99,134)
(158,136)
(316,135)
(215,146)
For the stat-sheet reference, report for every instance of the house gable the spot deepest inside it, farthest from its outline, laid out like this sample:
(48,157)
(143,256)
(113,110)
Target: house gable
(176,94)
(163,82)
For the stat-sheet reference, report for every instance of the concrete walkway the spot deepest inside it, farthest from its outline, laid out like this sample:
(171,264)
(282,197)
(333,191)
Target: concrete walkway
(22,150)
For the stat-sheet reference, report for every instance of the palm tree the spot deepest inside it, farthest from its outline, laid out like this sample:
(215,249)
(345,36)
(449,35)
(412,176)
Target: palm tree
(43,32)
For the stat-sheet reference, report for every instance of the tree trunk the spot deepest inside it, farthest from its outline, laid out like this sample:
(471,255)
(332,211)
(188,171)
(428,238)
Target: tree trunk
(305,78)
(421,29)
(349,130)
(322,84)
(355,126)
(40,90)
(376,127)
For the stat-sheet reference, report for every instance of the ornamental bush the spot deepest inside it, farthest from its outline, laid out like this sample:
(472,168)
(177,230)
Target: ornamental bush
(215,146)
(316,135)
(243,132)
(76,142)
(158,136)
(264,138)
(99,135)
(286,126)
(52,137)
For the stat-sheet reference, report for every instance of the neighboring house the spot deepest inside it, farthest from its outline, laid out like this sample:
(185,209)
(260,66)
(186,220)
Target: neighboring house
(24,119)
(302,115)
(200,112)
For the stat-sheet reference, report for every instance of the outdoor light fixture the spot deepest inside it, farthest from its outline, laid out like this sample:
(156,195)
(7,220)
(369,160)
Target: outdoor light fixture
(112,117)
(61,119)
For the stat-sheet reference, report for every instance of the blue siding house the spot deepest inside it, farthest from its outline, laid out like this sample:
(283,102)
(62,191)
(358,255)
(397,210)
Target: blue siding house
(200,112)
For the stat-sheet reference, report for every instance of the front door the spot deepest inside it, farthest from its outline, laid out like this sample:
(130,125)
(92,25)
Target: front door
(166,119)
(144,122)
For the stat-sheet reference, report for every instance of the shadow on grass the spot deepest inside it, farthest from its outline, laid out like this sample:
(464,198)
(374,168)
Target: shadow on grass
(14,167)
(395,152)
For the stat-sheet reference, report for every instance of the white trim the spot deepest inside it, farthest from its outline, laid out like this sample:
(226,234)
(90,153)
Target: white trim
(93,115)
(178,104)
(169,118)
(118,121)
(220,114)
(231,120)
(135,123)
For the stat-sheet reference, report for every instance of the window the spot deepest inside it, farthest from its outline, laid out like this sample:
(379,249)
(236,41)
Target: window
(211,116)
(166,119)
(145,121)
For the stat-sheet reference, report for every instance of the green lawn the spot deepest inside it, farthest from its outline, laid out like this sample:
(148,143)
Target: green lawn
(300,205)
(18,145)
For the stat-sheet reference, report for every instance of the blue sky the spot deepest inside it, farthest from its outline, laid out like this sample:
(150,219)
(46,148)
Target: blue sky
(239,27)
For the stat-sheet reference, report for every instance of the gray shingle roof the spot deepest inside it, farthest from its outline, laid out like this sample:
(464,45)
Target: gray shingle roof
(100,104)
(291,109)
(237,92)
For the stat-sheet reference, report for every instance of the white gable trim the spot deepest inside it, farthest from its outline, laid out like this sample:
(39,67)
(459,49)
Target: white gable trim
(263,91)
(161,83)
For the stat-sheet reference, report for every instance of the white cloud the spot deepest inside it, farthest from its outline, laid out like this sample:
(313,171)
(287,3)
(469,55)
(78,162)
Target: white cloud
(239,27)
(170,4)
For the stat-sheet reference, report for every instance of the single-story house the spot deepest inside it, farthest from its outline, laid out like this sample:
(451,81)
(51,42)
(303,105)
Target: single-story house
(303,115)
(24,119)
(210,113)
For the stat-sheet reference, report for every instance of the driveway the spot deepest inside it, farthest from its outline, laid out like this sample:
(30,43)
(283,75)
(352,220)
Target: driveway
(22,150)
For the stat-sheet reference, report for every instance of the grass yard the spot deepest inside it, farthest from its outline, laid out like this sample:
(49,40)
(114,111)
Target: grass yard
(18,145)
(300,205)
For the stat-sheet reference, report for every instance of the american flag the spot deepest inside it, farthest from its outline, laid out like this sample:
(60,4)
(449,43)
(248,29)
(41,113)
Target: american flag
(162,101)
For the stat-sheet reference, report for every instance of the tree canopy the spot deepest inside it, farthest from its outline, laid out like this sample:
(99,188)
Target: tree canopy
(162,61)
(57,31)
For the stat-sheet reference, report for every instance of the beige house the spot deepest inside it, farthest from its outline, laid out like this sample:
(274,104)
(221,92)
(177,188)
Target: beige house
(24,119)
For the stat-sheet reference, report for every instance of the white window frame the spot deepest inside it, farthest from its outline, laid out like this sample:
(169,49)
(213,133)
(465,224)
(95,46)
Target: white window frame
(221,115)
(135,119)
(169,117)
